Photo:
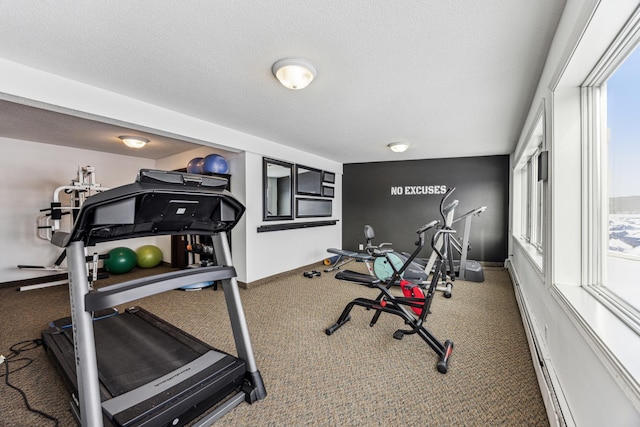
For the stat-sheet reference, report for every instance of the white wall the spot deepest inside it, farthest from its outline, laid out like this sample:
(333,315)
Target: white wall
(29,174)
(259,255)
(582,360)
(29,179)
(269,253)
(263,254)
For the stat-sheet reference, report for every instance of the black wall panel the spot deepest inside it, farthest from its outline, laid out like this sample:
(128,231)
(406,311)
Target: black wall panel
(390,196)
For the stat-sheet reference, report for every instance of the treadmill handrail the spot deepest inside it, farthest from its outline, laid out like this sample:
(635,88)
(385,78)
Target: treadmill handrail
(476,211)
(121,293)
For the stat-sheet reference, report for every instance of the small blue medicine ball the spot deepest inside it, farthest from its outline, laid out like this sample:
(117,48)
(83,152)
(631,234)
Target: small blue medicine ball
(215,163)
(195,165)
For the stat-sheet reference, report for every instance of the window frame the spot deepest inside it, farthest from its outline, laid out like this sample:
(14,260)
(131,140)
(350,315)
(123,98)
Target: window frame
(531,229)
(595,207)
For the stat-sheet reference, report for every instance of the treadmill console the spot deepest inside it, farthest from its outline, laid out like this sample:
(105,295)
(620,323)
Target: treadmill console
(158,203)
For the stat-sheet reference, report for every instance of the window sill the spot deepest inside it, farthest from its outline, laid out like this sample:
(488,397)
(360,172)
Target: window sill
(613,339)
(535,256)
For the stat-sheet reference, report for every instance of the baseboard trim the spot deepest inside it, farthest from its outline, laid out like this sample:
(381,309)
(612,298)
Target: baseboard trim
(33,281)
(554,400)
(279,276)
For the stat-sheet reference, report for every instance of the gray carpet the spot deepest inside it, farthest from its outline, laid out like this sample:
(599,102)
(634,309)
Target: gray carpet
(359,376)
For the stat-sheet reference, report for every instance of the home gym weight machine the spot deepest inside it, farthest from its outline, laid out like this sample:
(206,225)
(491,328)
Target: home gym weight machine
(133,368)
(53,220)
(79,190)
(416,298)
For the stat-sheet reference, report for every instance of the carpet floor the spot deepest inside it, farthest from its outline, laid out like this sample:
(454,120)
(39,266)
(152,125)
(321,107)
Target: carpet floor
(359,376)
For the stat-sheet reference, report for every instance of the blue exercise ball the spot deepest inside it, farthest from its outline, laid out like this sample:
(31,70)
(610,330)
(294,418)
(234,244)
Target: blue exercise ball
(195,165)
(215,163)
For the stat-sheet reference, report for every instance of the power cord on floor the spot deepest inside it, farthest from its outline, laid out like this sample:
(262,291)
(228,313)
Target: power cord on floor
(14,351)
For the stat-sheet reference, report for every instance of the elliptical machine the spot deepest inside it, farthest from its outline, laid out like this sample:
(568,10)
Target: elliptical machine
(419,269)
(384,267)
(415,297)
(462,268)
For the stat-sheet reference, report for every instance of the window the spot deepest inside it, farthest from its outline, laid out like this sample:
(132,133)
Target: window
(581,275)
(623,152)
(532,198)
(623,176)
(613,183)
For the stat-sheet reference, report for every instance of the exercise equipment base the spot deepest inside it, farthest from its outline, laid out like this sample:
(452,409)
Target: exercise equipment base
(183,378)
(388,303)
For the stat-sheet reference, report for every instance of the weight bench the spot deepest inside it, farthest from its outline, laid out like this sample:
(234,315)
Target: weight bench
(345,257)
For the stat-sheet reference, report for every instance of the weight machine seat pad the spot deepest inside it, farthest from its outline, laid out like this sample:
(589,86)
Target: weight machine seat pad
(350,254)
(342,252)
(360,278)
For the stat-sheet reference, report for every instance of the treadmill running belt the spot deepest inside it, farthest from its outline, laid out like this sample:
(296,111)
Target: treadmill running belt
(150,371)
(132,352)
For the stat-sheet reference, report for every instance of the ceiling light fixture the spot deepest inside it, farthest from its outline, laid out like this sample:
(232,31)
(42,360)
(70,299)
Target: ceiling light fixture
(294,73)
(134,141)
(398,147)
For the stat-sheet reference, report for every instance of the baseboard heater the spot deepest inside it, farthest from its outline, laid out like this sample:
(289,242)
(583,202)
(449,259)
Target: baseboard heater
(541,366)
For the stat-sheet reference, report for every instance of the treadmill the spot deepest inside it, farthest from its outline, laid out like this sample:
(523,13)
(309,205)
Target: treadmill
(133,368)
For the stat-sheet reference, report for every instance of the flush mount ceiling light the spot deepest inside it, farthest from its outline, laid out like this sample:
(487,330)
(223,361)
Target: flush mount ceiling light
(134,141)
(294,73)
(398,147)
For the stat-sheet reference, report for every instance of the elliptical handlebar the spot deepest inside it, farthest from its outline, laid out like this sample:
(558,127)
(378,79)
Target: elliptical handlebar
(476,212)
(427,226)
(443,209)
(448,208)
(434,240)
(397,274)
(376,251)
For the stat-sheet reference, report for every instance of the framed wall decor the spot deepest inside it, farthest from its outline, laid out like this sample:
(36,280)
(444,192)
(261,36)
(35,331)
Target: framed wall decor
(328,177)
(277,177)
(307,208)
(308,181)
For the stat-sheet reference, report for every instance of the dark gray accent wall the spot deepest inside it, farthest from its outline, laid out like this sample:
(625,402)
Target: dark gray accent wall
(390,197)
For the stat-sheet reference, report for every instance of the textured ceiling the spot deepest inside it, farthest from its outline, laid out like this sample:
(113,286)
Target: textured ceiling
(453,78)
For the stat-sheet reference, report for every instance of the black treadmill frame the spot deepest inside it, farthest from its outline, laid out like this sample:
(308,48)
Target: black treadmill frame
(158,203)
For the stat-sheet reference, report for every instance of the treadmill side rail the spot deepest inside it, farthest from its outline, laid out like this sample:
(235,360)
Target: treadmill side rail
(83,339)
(125,292)
(238,322)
